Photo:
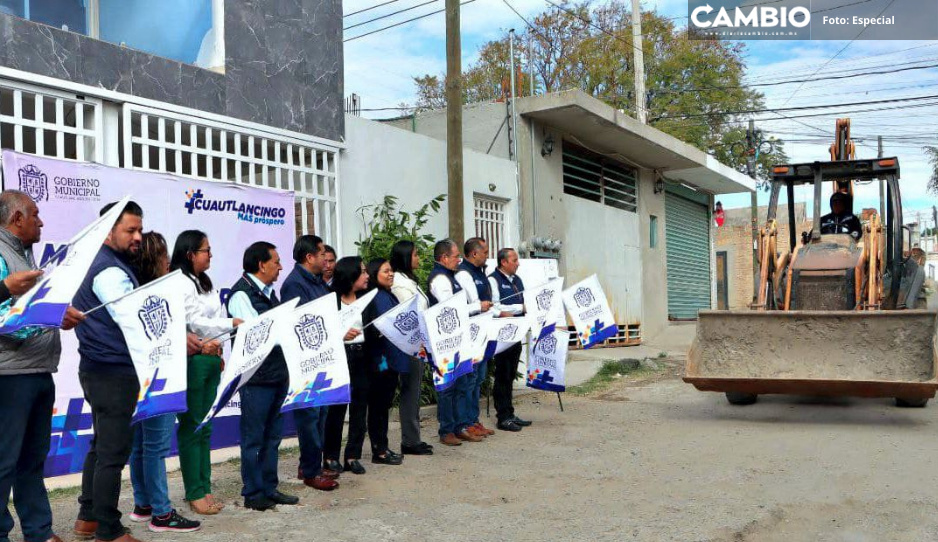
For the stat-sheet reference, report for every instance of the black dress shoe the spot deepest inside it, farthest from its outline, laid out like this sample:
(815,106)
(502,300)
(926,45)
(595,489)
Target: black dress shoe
(425,445)
(389,458)
(283,498)
(416,450)
(354,466)
(395,454)
(519,421)
(333,465)
(509,425)
(259,503)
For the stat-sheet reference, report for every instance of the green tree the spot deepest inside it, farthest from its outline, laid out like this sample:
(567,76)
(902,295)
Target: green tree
(932,154)
(692,86)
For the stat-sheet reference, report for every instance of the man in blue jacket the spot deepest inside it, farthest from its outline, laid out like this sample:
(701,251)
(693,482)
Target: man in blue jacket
(305,282)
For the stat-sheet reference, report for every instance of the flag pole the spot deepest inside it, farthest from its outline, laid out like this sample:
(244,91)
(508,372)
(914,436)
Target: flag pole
(135,290)
(559,400)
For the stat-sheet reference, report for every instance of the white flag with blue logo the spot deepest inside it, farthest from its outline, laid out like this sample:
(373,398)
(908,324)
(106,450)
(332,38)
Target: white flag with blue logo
(401,326)
(547,360)
(446,325)
(349,313)
(253,343)
(475,343)
(506,332)
(45,304)
(589,310)
(544,305)
(312,345)
(153,322)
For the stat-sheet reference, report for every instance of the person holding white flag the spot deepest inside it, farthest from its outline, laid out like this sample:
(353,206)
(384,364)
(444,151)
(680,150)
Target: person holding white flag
(107,375)
(264,393)
(28,358)
(508,294)
(404,260)
(155,338)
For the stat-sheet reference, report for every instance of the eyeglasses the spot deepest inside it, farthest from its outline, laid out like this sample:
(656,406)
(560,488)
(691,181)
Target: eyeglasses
(206,250)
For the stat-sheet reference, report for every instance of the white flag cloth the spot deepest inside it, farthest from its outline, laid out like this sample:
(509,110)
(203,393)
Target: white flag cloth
(446,326)
(349,313)
(474,345)
(544,305)
(547,361)
(401,326)
(589,310)
(312,346)
(255,339)
(45,304)
(154,327)
(506,332)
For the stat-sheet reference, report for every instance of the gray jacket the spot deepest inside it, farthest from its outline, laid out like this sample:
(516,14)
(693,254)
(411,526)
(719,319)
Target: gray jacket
(37,354)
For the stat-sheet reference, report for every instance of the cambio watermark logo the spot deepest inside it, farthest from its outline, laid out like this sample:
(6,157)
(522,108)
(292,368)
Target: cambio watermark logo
(788,19)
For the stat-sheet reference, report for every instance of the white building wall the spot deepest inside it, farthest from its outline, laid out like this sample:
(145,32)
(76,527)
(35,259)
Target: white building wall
(384,160)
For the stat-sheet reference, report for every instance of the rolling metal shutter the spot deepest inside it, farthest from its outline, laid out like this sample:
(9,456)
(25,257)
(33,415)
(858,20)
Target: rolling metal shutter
(687,229)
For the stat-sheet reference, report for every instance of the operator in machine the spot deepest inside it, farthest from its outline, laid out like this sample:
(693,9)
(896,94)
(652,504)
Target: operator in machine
(841,218)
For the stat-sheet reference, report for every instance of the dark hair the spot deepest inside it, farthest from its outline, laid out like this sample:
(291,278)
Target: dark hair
(372,268)
(188,243)
(472,244)
(402,254)
(326,249)
(146,263)
(347,271)
(130,209)
(442,248)
(255,255)
(503,254)
(305,245)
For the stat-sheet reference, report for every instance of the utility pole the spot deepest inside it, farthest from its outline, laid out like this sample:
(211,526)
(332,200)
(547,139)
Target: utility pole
(454,123)
(882,183)
(639,71)
(754,202)
(514,115)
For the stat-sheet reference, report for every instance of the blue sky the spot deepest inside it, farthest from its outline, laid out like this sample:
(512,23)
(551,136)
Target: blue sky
(379,68)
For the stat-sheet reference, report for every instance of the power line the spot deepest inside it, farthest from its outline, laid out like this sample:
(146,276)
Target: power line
(369,8)
(382,29)
(801,108)
(831,59)
(390,14)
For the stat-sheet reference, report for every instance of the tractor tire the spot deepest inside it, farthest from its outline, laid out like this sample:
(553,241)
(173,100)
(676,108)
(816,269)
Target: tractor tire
(741,399)
(911,403)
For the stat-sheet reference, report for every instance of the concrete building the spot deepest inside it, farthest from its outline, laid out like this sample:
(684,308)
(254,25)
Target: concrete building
(733,251)
(223,90)
(606,194)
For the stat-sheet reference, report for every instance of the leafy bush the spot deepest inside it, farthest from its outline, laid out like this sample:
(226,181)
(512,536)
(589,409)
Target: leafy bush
(387,223)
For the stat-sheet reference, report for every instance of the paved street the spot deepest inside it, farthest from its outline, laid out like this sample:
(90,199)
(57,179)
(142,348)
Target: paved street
(653,460)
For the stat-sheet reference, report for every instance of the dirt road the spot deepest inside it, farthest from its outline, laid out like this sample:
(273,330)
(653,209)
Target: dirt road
(654,461)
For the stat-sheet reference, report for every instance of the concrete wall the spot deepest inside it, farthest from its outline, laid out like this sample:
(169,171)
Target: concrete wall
(654,260)
(383,160)
(283,65)
(480,123)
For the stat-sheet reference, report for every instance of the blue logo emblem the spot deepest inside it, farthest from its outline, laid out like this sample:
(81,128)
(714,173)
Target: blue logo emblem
(257,336)
(448,321)
(544,300)
(155,317)
(406,322)
(507,333)
(193,195)
(584,297)
(474,330)
(34,183)
(547,345)
(311,331)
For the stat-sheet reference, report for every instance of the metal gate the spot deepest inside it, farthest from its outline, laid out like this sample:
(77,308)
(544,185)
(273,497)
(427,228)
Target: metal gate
(687,229)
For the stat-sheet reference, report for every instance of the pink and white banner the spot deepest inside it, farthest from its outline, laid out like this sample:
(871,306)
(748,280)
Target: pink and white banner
(70,195)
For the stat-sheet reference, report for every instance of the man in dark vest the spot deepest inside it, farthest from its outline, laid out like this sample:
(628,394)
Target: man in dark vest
(305,282)
(471,276)
(28,358)
(262,395)
(506,285)
(442,285)
(107,376)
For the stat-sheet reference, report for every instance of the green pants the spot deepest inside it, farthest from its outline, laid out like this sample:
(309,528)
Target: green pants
(203,374)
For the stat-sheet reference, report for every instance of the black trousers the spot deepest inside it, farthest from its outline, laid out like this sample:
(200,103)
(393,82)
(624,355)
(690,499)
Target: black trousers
(506,371)
(380,396)
(359,372)
(112,398)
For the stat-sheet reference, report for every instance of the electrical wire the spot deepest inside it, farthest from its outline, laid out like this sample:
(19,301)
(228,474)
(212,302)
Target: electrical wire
(369,8)
(402,22)
(390,14)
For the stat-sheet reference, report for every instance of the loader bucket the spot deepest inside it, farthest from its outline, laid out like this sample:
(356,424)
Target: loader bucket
(837,353)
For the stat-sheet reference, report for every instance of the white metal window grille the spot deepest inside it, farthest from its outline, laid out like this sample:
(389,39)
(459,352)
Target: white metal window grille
(490,222)
(49,123)
(159,140)
(592,176)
